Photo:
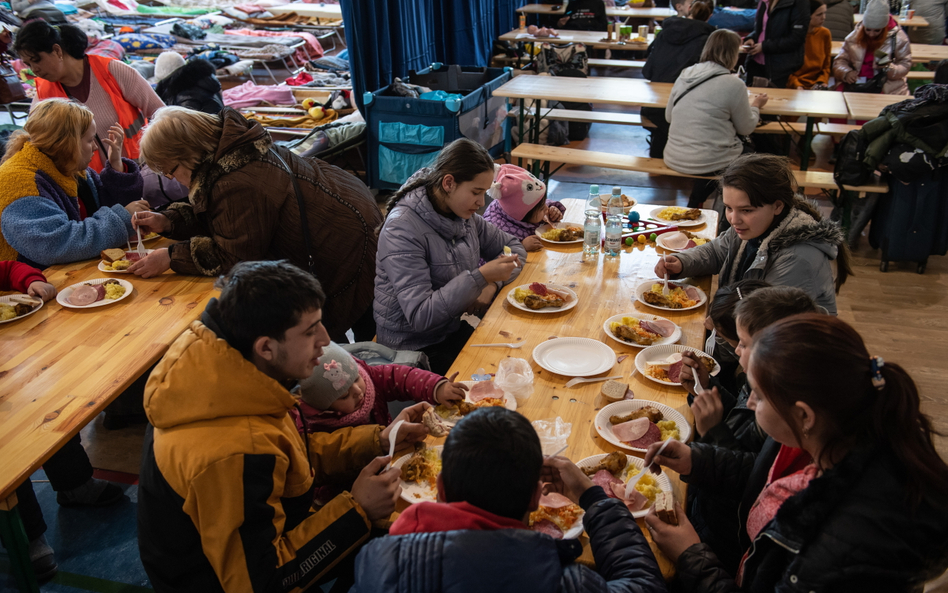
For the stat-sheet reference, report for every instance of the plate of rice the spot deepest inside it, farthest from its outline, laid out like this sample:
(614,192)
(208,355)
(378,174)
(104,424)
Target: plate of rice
(420,471)
(681,297)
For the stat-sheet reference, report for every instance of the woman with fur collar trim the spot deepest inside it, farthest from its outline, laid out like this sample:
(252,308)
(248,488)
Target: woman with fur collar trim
(775,235)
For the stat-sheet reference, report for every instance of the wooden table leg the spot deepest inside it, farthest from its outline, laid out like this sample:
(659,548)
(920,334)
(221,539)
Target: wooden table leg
(807,138)
(13,537)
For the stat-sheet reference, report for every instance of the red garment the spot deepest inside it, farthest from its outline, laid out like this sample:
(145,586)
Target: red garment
(300,79)
(392,382)
(435,517)
(17,276)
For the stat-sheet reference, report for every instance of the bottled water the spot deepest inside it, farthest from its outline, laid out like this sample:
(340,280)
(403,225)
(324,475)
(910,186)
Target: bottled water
(615,202)
(592,228)
(592,200)
(614,223)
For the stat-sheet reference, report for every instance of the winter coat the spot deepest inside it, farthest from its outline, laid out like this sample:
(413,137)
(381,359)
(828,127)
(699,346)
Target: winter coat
(705,123)
(935,12)
(796,253)
(839,18)
(427,271)
(785,37)
(194,86)
(225,491)
(242,207)
(851,529)
(39,209)
(516,560)
(517,228)
(677,47)
(920,123)
(852,54)
(817,61)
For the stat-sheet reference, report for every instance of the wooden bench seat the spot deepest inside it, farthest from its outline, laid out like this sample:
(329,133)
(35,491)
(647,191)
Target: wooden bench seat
(603,63)
(608,160)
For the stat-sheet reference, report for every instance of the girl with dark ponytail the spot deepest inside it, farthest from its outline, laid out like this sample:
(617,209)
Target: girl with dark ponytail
(857,499)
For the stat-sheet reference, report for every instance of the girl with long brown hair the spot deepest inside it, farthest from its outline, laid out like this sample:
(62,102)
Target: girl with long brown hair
(427,272)
(857,498)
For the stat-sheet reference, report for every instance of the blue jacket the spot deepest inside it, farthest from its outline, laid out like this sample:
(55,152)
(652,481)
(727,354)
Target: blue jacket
(426,272)
(515,560)
(41,219)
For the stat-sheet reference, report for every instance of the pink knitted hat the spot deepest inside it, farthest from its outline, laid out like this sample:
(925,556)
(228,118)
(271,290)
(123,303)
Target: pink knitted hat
(517,190)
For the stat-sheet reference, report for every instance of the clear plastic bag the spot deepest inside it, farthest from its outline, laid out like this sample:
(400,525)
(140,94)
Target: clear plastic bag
(553,434)
(515,377)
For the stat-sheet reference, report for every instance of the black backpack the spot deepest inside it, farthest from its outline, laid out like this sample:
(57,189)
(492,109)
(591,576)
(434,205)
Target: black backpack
(851,168)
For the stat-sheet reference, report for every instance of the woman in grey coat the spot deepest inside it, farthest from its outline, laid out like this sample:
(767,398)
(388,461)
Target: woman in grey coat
(775,236)
(427,272)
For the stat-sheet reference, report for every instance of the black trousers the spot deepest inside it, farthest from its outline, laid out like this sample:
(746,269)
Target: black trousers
(442,355)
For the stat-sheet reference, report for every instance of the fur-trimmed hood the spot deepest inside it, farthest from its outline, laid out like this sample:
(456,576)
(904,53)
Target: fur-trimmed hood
(242,141)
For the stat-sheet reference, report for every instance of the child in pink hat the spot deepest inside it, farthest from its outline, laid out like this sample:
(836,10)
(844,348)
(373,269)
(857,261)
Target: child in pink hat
(520,204)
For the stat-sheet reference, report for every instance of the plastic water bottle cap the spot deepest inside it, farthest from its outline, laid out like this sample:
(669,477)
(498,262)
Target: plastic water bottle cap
(594,189)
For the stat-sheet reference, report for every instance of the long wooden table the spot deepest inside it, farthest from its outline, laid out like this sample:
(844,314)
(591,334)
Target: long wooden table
(915,21)
(656,13)
(605,287)
(641,93)
(921,52)
(589,38)
(864,106)
(60,367)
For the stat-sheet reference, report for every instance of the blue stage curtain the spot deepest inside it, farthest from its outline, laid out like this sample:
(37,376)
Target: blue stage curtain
(387,38)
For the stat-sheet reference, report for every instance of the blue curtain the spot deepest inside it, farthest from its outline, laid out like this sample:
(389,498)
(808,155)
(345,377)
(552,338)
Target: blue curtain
(387,38)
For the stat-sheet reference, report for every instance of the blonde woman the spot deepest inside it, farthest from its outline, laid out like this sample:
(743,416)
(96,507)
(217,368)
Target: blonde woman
(243,206)
(55,209)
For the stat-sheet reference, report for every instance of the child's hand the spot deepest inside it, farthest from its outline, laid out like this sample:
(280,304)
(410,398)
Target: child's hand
(673,540)
(114,143)
(708,410)
(691,365)
(554,214)
(532,243)
(43,290)
(450,393)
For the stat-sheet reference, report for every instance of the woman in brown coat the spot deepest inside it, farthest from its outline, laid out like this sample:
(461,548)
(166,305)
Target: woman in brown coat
(243,207)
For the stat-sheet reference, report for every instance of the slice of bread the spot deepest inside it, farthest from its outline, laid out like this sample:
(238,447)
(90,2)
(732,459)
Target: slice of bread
(614,390)
(665,508)
(111,255)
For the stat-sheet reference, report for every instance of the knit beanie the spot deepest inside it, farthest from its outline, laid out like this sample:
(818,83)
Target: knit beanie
(876,15)
(334,374)
(517,190)
(167,63)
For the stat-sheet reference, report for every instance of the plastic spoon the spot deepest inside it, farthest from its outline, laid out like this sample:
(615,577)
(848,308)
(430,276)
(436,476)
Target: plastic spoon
(579,380)
(654,467)
(499,344)
(141,247)
(391,442)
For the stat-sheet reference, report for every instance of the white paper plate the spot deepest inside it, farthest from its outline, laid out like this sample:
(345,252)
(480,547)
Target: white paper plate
(148,239)
(627,406)
(644,317)
(411,489)
(647,285)
(510,403)
(109,271)
(63,296)
(660,241)
(577,529)
(9,299)
(661,478)
(681,223)
(572,303)
(558,225)
(663,352)
(574,357)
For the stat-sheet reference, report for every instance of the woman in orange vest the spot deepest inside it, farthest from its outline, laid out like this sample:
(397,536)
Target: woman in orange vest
(114,91)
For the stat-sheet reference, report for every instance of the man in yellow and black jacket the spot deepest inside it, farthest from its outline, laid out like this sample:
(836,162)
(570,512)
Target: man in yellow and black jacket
(225,492)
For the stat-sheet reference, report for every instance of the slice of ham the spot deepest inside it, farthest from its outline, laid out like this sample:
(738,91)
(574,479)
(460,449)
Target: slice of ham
(484,390)
(690,244)
(662,327)
(654,434)
(554,500)
(538,288)
(674,371)
(100,290)
(676,240)
(549,528)
(132,256)
(636,500)
(692,293)
(567,297)
(606,480)
(84,295)
(631,430)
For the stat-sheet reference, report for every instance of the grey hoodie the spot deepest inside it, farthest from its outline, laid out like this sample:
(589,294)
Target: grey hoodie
(797,253)
(705,122)
(427,271)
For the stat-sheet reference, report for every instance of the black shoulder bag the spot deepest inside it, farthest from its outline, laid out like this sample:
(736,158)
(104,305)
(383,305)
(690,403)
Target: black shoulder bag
(873,85)
(304,223)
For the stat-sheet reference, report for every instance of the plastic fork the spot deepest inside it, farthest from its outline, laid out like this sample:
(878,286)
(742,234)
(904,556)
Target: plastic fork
(578,380)
(665,291)
(141,248)
(630,485)
(391,442)
(499,345)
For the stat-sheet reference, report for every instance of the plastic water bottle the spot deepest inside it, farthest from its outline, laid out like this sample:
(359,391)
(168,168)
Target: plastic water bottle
(592,200)
(592,228)
(904,13)
(614,223)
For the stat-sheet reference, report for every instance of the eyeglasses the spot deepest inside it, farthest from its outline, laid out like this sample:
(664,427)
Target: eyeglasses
(170,174)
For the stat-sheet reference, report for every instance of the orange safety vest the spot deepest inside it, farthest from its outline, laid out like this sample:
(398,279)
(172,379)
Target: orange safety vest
(130,117)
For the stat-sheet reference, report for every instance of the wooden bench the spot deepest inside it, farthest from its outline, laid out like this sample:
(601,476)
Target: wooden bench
(918,74)
(634,119)
(608,160)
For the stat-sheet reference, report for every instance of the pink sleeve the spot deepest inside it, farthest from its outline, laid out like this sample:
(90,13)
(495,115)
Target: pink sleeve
(396,382)
(135,89)
(558,205)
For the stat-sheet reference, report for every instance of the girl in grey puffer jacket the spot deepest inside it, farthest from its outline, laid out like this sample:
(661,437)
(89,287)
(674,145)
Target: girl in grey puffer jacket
(427,272)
